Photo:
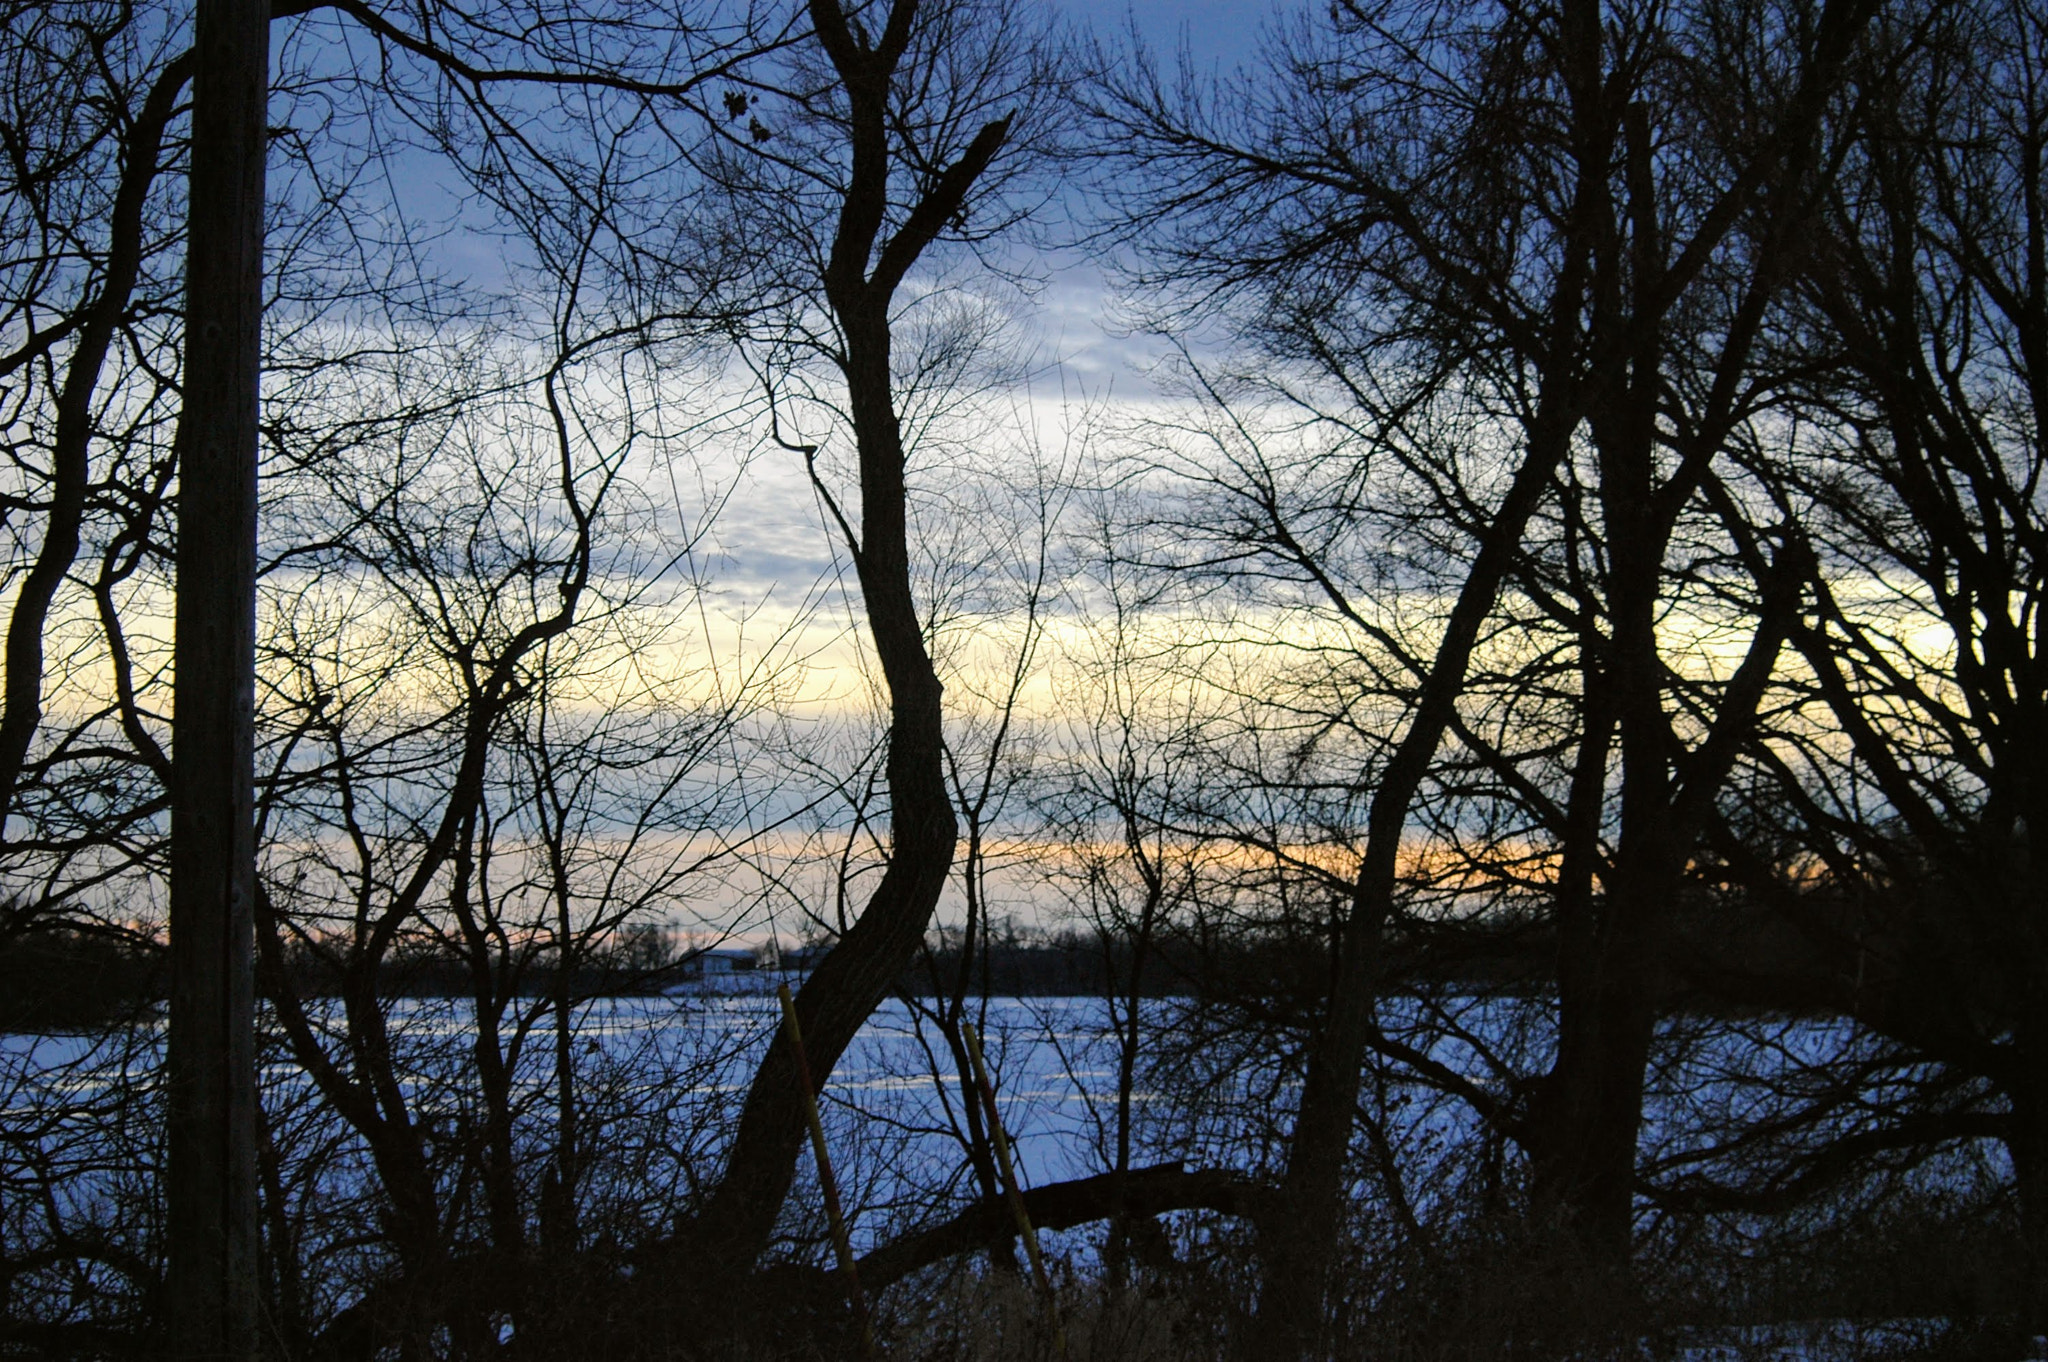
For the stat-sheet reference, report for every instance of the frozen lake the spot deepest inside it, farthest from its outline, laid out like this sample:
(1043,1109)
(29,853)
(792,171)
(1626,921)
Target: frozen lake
(658,1082)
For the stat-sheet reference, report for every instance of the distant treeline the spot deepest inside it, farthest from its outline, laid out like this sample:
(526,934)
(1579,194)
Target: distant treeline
(60,979)
(1277,964)
(1736,956)
(56,979)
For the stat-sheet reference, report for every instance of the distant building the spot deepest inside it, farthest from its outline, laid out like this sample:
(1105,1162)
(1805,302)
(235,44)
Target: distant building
(733,970)
(708,965)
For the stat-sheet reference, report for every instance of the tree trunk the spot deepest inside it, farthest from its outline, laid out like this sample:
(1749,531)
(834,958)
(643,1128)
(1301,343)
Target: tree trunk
(2027,1146)
(857,973)
(865,266)
(1297,1253)
(212,1227)
(1582,1163)
(1556,1177)
(1584,1174)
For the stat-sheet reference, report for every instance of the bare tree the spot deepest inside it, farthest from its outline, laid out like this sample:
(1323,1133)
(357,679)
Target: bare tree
(1131,875)
(900,124)
(1500,216)
(1913,776)
(70,302)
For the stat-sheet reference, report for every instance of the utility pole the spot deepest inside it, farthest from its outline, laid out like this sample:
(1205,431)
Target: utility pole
(211,1182)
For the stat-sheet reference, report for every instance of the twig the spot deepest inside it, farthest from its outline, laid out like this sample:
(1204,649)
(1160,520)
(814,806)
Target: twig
(841,1244)
(1016,1192)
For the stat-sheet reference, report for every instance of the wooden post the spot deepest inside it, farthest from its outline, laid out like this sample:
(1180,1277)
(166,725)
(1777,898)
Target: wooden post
(210,1061)
(842,1244)
(1016,1192)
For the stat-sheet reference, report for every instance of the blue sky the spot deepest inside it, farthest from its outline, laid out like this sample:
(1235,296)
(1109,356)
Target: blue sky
(1217,33)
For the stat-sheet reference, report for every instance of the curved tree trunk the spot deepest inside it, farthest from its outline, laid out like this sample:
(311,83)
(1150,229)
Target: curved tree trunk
(866,265)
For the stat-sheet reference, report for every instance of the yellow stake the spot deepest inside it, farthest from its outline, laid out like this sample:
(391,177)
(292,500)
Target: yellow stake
(841,1244)
(1010,1184)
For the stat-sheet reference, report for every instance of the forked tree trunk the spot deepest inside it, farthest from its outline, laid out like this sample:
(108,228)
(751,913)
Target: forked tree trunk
(212,1227)
(1583,1137)
(1583,1167)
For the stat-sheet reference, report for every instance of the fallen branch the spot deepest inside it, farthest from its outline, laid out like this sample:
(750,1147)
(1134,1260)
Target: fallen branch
(1062,1205)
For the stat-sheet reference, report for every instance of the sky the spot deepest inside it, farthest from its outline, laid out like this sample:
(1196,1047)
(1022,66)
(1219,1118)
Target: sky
(772,533)
(1216,33)
(769,552)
